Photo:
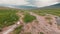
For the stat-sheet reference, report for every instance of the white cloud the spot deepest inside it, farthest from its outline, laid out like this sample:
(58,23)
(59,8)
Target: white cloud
(15,2)
(38,3)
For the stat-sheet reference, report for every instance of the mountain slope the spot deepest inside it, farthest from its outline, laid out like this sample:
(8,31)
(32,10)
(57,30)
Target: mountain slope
(53,6)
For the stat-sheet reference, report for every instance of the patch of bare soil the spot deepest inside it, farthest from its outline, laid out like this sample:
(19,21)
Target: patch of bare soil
(41,25)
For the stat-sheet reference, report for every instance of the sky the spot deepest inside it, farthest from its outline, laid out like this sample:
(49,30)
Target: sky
(38,3)
(14,2)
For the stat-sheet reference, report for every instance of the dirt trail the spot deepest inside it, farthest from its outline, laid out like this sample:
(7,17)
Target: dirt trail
(11,28)
(43,24)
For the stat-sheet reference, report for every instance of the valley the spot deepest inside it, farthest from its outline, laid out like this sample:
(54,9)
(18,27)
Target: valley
(36,21)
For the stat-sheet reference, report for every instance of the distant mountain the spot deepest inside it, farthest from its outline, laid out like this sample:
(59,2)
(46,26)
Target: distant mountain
(25,7)
(53,6)
(30,7)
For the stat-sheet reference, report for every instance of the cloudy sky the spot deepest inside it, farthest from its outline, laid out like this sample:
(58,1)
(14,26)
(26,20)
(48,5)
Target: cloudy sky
(38,3)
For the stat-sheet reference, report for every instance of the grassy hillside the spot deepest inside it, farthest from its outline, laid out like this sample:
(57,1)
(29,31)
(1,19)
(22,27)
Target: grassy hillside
(52,11)
(8,17)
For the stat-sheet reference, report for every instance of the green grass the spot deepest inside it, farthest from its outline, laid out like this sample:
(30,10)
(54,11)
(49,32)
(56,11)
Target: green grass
(8,17)
(17,30)
(27,33)
(55,11)
(28,18)
(41,33)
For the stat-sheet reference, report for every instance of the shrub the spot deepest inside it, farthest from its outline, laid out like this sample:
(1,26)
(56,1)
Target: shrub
(28,18)
(41,33)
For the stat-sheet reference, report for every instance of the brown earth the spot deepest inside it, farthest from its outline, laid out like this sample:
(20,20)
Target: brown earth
(41,24)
